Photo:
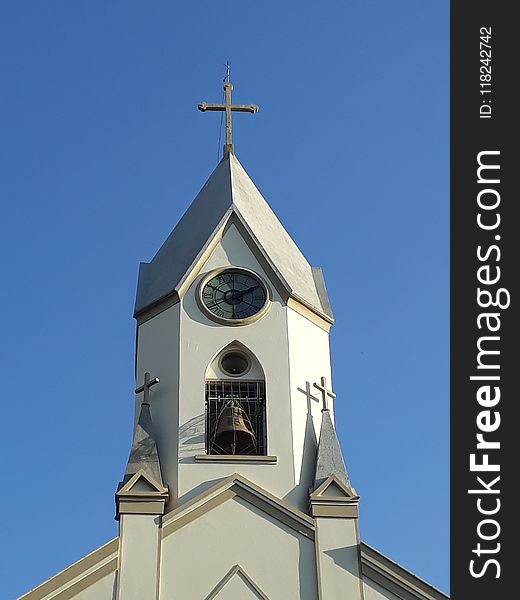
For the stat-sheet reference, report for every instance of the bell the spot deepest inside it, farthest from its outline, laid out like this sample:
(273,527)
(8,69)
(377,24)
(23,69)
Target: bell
(232,433)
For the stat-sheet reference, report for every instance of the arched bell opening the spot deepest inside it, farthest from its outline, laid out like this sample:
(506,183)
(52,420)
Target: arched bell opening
(235,403)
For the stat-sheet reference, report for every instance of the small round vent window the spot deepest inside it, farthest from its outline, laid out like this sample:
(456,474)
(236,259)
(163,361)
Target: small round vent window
(235,363)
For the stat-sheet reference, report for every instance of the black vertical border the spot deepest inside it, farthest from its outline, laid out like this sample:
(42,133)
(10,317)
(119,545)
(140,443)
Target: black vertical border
(470,135)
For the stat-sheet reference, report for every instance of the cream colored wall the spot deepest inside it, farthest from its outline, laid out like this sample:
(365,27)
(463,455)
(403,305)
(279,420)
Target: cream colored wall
(198,556)
(158,353)
(337,550)
(373,591)
(104,589)
(138,557)
(201,339)
(309,360)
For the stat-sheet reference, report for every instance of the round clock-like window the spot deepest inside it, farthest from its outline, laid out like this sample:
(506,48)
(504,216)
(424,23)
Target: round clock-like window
(234,296)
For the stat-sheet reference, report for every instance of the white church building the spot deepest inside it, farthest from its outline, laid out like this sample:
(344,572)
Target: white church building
(235,486)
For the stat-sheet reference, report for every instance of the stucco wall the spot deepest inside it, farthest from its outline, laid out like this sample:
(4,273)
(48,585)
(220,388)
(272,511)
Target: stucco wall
(201,339)
(309,359)
(196,557)
(104,589)
(138,556)
(158,353)
(338,554)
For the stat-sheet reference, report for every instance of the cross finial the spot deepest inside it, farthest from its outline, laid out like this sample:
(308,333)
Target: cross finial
(148,382)
(324,392)
(228,108)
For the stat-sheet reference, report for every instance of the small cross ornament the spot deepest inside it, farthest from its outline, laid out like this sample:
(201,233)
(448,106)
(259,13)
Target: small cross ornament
(148,382)
(324,392)
(228,108)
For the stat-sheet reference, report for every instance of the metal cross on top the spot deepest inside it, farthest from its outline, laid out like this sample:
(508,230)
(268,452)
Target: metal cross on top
(324,392)
(146,388)
(228,108)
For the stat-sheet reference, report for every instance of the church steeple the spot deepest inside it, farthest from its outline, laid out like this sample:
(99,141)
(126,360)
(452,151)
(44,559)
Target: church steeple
(142,487)
(329,458)
(143,454)
(229,195)
(235,322)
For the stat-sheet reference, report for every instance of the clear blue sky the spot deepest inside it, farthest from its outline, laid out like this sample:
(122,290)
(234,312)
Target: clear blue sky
(102,149)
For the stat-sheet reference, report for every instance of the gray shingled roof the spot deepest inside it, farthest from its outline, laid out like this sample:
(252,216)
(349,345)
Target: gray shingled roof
(230,190)
(329,459)
(143,454)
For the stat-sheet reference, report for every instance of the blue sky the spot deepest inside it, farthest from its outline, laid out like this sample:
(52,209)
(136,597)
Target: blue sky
(102,149)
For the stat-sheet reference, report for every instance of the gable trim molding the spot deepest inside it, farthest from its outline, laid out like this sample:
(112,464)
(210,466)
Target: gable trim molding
(395,578)
(79,576)
(237,569)
(237,485)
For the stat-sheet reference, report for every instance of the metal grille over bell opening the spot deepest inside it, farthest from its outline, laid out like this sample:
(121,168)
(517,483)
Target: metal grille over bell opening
(235,417)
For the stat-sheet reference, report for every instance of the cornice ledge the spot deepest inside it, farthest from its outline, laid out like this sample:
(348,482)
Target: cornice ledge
(78,576)
(234,458)
(395,578)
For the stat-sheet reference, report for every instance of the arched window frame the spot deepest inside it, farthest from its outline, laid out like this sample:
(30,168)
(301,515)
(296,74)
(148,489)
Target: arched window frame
(241,395)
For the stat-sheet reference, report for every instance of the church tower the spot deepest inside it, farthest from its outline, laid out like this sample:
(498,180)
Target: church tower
(235,486)
(233,325)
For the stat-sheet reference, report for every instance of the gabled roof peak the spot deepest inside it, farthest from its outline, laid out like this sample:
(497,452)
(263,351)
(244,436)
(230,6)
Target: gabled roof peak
(229,190)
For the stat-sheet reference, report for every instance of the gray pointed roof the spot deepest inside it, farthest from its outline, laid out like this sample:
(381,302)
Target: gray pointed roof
(230,190)
(329,459)
(143,454)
